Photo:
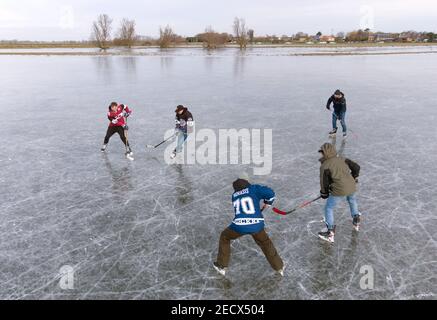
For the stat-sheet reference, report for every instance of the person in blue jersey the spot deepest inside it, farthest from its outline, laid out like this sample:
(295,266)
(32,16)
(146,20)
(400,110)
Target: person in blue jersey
(248,220)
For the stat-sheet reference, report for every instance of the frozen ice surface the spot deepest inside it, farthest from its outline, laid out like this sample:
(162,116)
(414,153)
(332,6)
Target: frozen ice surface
(148,230)
(229,52)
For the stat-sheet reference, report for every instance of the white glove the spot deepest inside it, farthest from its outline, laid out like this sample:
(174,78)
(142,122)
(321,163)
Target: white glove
(115,121)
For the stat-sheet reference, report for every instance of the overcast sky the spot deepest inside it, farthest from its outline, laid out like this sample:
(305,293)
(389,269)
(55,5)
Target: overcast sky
(71,20)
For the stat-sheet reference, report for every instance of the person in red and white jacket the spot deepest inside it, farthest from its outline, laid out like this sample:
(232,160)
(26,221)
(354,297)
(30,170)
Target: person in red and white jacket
(117,115)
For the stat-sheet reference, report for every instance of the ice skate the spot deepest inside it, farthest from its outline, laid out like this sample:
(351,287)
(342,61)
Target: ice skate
(220,270)
(173,155)
(130,155)
(328,235)
(281,271)
(356,223)
(333,133)
(103,148)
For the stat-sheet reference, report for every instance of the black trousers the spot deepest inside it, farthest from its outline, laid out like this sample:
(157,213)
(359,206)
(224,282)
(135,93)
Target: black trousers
(113,130)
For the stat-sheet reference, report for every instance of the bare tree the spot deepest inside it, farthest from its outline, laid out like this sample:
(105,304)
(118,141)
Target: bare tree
(359,35)
(240,33)
(340,35)
(166,37)
(251,35)
(127,34)
(102,31)
(212,39)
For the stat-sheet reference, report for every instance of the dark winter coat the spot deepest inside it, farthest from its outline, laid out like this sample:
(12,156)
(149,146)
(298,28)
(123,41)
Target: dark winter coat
(184,121)
(337,174)
(339,104)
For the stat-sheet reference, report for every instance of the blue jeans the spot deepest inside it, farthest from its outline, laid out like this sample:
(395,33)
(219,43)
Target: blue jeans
(332,202)
(342,118)
(182,137)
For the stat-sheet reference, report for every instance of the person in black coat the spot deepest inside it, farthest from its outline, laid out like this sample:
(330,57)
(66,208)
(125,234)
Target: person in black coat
(339,103)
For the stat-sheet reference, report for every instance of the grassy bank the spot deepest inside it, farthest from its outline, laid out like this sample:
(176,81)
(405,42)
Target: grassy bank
(45,46)
(139,54)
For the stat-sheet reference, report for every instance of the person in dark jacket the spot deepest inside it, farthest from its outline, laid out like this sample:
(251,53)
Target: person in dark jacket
(338,180)
(184,126)
(339,103)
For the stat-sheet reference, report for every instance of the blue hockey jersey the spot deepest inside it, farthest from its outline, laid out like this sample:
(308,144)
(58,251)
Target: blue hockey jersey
(248,216)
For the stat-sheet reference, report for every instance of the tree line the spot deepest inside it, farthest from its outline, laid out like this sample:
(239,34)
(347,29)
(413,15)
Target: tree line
(127,35)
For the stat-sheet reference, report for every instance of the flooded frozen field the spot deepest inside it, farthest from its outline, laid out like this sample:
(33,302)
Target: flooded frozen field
(149,230)
(258,50)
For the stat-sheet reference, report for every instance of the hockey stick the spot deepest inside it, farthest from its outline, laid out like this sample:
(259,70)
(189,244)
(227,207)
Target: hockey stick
(303,205)
(149,146)
(127,142)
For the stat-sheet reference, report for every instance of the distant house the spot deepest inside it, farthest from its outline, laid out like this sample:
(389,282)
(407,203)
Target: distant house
(410,36)
(315,38)
(383,37)
(286,38)
(406,39)
(192,39)
(300,37)
(327,39)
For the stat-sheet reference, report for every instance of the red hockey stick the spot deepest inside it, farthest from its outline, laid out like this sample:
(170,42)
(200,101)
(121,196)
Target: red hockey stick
(303,205)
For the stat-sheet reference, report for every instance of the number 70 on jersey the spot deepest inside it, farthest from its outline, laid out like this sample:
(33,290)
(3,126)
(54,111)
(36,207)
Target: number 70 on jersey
(244,205)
